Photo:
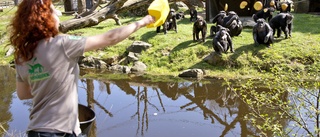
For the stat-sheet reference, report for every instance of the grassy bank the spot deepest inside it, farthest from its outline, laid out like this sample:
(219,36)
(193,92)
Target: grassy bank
(175,52)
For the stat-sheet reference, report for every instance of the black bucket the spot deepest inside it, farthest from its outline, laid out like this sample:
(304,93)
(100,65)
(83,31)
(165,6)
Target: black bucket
(86,118)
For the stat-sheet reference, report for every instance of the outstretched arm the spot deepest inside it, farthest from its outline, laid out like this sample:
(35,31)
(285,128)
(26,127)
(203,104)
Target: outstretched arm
(115,36)
(23,90)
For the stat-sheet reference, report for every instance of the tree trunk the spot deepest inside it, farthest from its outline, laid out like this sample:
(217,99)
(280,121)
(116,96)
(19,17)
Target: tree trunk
(81,6)
(94,17)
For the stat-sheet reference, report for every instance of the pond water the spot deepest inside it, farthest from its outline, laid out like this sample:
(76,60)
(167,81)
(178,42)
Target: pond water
(138,107)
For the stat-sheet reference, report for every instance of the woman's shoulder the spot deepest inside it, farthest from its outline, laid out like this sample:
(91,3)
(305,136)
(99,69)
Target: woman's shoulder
(70,37)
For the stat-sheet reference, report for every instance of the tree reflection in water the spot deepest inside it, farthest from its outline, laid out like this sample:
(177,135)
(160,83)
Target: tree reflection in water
(214,101)
(137,106)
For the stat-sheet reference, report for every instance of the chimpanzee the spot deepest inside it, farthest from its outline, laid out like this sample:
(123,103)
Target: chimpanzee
(262,33)
(180,15)
(282,21)
(265,13)
(222,41)
(200,25)
(271,3)
(218,19)
(285,6)
(193,14)
(233,23)
(170,23)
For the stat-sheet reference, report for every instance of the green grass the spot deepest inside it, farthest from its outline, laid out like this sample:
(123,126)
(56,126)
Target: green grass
(174,52)
(4,17)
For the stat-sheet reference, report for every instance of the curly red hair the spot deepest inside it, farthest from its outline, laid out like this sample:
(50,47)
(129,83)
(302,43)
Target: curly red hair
(33,21)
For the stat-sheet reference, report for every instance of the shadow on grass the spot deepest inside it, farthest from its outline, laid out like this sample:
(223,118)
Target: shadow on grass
(148,35)
(245,49)
(184,45)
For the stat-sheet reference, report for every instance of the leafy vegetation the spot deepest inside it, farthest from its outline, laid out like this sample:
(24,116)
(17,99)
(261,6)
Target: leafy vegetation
(284,106)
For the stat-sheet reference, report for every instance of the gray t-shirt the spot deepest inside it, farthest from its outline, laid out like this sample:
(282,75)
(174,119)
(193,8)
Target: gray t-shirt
(53,74)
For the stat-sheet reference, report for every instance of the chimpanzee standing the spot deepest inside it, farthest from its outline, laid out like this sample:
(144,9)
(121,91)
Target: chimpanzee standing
(199,26)
(282,21)
(170,23)
(180,15)
(222,41)
(265,13)
(262,33)
(285,6)
(193,15)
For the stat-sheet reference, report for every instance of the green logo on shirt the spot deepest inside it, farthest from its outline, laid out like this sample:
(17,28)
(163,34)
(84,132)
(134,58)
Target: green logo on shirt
(36,73)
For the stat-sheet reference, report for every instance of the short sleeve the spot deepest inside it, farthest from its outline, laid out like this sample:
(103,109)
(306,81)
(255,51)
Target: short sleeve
(73,45)
(18,77)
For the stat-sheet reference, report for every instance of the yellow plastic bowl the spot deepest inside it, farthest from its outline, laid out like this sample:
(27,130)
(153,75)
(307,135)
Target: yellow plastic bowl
(159,9)
(284,6)
(272,3)
(243,4)
(258,5)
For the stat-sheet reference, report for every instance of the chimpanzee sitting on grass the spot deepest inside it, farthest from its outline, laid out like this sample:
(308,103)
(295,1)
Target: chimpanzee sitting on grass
(222,41)
(233,23)
(262,33)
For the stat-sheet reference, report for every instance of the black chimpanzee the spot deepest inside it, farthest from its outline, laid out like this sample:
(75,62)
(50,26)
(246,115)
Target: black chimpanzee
(233,23)
(193,14)
(180,15)
(285,6)
(200,25)
(222,41)
(170,23)
(218,19)
(265,13)
(282,21)
(262,33)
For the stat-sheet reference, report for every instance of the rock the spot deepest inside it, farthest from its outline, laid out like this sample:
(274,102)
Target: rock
(120,68)
(138,46)
(193,73)
(214,59)
(111,60)
(91,62)
(132,57)
(100,64)
(139,67)
(10,51)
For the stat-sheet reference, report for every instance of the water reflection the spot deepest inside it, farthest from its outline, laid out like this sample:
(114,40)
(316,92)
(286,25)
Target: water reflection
(7,85)
(136,106)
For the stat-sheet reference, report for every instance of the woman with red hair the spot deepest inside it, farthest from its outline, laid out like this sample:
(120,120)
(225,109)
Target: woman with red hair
(47,65)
